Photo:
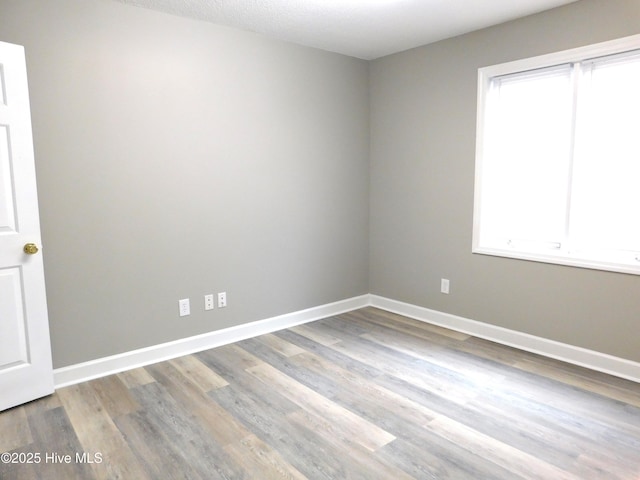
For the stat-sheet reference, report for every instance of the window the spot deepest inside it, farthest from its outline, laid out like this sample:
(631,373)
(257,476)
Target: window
(558,158)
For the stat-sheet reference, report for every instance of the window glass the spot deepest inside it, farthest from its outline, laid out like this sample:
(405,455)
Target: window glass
(558,158)
(527,151)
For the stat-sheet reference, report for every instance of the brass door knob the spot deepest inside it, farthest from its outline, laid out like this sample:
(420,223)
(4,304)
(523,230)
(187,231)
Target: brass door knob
(30,248)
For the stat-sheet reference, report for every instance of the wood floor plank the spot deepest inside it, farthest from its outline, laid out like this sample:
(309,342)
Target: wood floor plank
(241,381)
(25,471)
(280,345)
(114,395)
(514,460)
(15,429)
(439,381)
(479,347)
(45,403)
(229,360)
(366,434)
(575,408)
(198,373)
(98,434)
(159,456)
(595,465)
(259,460)
(135,377)
(315,335)
(346,325)
(222,427)
(361,459)
(388,320)
(473,369)
(326,387)
(54,435)
(298,445)
(629,395)
(389,404)
(362,368)
(435,458)
(190,440)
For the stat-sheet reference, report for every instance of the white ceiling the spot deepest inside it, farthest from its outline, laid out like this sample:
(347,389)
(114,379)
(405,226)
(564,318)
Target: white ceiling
(365,29)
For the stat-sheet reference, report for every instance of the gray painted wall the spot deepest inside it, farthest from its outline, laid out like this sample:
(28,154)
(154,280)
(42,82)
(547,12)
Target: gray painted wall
(423,118)
(176,158)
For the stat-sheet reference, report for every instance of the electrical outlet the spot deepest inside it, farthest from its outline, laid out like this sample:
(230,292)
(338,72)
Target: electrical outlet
(222,299)
(184,307)
(208,302)
(444,286)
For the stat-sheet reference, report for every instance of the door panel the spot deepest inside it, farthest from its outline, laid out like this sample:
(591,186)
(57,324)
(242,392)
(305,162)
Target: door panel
(25,351)
(13,347)
(7,214)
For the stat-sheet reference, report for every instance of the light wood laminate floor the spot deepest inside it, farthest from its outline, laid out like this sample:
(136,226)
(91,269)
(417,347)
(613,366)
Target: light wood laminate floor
(364,395)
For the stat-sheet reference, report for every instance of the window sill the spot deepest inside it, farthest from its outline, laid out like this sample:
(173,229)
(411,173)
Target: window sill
(562,259)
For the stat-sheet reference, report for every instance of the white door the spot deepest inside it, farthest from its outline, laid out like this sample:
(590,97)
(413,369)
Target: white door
(25,350)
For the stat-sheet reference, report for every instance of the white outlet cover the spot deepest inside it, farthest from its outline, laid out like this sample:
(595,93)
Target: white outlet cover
(184,307)
(208,302)
(222,299)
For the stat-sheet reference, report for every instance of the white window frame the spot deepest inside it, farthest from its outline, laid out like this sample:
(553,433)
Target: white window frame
(485,76)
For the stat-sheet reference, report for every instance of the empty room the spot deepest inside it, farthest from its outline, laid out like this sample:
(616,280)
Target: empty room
(319,239)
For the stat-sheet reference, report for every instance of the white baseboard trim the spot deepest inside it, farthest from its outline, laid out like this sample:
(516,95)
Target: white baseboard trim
(102,367)
(583,357)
